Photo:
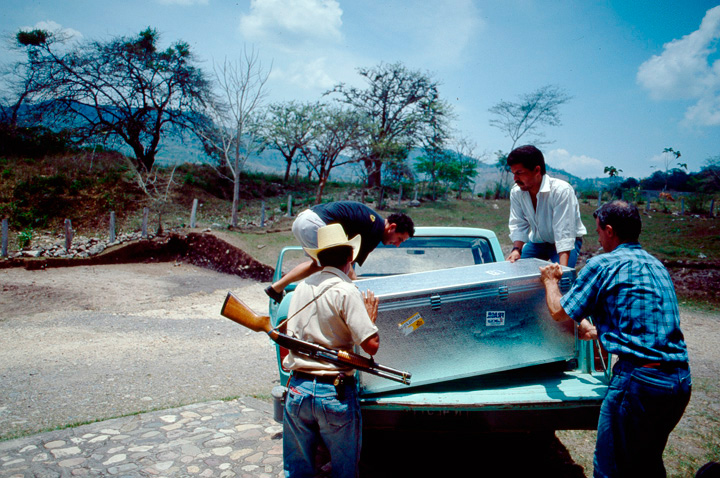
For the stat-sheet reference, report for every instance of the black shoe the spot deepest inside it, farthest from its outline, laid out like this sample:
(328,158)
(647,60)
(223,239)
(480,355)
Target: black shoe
(276,296)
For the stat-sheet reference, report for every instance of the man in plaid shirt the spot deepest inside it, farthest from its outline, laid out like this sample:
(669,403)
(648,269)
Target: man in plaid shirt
(631,298)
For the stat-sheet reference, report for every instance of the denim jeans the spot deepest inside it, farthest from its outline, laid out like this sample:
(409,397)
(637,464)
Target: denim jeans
(641,408)
(547,251)
(314,412)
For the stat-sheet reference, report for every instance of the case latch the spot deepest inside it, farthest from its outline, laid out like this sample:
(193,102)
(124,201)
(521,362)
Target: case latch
(435,302)
(503,292)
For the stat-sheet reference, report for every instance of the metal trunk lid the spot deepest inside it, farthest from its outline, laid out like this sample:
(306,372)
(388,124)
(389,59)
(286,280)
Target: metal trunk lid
(467,321)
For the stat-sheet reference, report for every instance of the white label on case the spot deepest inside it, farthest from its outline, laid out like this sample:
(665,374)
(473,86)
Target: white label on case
(495,318)
(411,325)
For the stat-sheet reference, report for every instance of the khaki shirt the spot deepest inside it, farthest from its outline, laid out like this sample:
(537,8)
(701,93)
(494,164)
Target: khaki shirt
(337,320)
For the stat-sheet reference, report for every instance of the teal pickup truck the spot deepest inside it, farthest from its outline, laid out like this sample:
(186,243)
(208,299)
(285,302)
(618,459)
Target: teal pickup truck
(474,332)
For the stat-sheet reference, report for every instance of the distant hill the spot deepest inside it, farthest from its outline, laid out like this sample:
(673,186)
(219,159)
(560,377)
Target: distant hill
(189,150)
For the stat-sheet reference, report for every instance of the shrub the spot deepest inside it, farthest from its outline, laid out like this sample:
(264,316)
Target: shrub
(25,238)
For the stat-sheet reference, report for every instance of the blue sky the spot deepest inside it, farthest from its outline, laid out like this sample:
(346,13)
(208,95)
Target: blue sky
(644,75)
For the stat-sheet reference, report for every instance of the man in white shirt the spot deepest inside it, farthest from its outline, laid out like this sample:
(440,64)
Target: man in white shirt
(544,212)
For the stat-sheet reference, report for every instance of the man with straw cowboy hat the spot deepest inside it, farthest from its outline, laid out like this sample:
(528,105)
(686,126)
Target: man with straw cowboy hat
(322,399)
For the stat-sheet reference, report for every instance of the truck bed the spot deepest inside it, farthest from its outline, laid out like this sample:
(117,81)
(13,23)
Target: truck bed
(529,400)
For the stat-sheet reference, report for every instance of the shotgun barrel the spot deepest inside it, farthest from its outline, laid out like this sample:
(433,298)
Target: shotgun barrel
(236,310)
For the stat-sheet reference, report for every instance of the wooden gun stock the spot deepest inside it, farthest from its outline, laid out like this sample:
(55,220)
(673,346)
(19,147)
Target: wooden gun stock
(236,310)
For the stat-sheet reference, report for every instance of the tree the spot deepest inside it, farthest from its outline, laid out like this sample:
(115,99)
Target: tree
(668,155)
(502,187)
(337,130)
(612,171)
(455,168)
(235,131)
(532,111)
(431,165)
(463,166)
(123,88)
(288,128)
(398,104)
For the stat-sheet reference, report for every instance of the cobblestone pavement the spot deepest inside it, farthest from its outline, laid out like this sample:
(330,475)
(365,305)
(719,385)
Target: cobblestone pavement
(237,438)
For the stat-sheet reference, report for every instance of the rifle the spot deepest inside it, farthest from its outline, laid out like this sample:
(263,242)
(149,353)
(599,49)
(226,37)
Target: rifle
(236,310)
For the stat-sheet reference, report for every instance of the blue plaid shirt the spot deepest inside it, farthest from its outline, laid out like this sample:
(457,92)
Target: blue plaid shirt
(632,301)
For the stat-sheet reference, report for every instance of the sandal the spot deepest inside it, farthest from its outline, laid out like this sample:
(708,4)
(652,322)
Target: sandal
(274,295)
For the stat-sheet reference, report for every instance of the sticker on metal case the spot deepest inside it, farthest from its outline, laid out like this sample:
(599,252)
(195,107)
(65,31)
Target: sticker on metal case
(495,318)
(411,325)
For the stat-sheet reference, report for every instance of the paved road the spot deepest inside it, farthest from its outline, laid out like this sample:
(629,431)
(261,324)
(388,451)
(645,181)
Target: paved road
(236,438)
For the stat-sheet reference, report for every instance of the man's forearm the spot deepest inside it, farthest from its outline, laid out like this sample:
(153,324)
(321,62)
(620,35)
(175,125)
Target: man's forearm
(564,258)
(552,298)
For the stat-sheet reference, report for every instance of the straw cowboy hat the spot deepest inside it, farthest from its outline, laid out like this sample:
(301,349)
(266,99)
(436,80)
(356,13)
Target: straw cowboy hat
(333,235)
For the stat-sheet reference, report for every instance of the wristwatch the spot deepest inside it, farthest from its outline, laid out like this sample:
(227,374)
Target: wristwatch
(516,249)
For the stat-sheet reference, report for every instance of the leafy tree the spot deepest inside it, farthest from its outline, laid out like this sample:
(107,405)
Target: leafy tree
(502,187)
(338,130)
(709,176)
(454,168)
(234,131)
(289,127)
(668,154)
(612,171)
(529,113)
(123,88)
(399,106)
(630,183)
(463,167)
(431,165)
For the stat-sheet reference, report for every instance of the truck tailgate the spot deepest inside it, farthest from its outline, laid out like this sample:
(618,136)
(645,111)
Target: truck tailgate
(564,400)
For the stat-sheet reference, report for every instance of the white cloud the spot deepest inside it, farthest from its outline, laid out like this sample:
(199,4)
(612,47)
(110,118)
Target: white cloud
(54,27)
(292,23)
(684,71)
(706,112)
(579,165)
(306,75)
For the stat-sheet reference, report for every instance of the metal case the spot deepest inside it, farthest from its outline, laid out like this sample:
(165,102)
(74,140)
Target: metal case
(467,321)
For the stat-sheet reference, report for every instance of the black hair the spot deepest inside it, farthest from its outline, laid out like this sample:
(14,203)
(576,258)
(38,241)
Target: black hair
(403,223)
(336,256)
(528,156)
(624,218)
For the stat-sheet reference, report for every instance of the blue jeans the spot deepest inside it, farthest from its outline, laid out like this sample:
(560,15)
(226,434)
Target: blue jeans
(314,412)
(641,408)
(547,251)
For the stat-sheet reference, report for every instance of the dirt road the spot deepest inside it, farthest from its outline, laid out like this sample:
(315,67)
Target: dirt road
(86,343)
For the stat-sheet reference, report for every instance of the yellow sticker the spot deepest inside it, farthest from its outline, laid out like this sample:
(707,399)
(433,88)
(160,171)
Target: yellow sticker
(411,325)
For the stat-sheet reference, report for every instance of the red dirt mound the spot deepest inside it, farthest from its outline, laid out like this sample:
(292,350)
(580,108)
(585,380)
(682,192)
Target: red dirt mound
(204,250)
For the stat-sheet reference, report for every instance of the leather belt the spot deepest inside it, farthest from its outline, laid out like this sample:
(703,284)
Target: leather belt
(334,379)
(645,363)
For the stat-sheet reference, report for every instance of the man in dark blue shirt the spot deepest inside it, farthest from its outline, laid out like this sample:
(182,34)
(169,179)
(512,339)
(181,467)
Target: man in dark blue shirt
(356,219)
(631,298)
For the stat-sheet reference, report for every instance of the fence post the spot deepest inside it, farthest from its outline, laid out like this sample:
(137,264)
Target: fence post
(400,195)
(647,204)
(599,197)
(262,215)
(146,211)
(289,206)
(4,238)
(712,206)
(193,213)
(68,235)
(112,226)
(682,206)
